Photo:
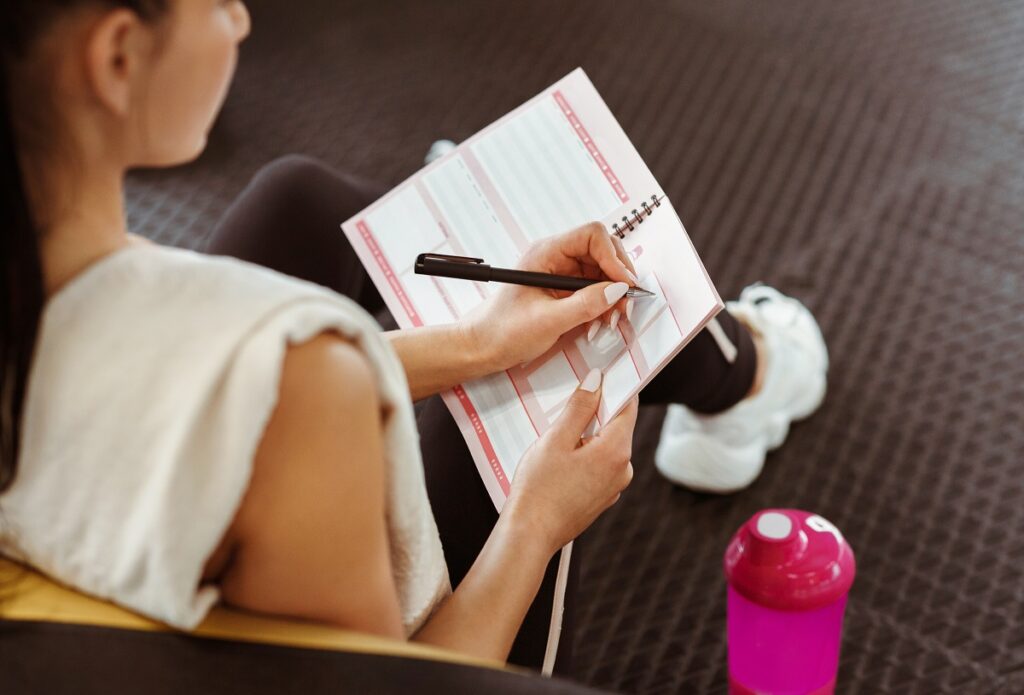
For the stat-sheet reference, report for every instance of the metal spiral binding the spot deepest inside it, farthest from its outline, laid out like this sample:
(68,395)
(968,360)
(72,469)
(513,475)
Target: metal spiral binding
(636,217)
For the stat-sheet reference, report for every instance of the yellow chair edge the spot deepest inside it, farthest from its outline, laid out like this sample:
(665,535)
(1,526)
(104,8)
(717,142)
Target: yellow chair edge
(32,597)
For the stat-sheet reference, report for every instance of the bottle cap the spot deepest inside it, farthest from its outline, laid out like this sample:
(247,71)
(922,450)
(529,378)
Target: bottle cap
(789,560)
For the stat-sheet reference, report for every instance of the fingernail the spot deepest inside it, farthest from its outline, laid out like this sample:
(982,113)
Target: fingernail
(614,292)
(632,277)
(629,309)
(615,319)
(592,381)
(595,326)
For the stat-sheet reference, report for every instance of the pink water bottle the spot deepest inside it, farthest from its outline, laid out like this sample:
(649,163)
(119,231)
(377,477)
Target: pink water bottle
(789,573)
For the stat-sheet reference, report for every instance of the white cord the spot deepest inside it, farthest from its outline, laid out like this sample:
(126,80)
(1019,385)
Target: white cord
(729,350)
(557,609)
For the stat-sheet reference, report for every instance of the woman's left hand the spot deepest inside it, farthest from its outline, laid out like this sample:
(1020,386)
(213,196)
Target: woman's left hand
(517,324)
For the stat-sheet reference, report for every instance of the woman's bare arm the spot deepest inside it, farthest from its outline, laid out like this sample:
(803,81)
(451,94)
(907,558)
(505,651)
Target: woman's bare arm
(310,539)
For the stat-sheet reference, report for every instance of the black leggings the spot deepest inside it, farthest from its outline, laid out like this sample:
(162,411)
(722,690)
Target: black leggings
(288,219)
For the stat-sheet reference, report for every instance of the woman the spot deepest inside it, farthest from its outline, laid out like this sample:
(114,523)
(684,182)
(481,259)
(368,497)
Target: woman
(179,429)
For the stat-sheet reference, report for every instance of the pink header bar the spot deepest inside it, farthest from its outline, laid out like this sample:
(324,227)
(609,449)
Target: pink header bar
(389,274)
(591,146)
(485,441)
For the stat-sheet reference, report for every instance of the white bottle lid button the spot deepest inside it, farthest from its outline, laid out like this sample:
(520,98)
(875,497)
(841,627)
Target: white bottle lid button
(774,525)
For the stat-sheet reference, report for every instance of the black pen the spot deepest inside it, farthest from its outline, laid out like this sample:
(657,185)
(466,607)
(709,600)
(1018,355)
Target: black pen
(465,268)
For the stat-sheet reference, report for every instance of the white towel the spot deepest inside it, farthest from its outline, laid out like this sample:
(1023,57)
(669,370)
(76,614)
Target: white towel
(154,376)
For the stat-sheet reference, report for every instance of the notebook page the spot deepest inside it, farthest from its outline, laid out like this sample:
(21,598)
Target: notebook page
(556,162)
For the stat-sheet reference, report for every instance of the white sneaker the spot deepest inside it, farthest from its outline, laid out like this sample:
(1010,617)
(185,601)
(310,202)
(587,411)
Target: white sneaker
(725,452)
(439,149)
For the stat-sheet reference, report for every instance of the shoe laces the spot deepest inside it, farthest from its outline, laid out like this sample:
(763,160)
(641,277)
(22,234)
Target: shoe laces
(771,305)
(787,319)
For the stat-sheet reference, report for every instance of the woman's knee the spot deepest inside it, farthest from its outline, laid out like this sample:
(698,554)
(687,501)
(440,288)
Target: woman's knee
(290,178)
(306,186)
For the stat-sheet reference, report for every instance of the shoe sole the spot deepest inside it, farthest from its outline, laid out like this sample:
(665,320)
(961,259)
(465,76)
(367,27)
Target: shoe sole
(742,464)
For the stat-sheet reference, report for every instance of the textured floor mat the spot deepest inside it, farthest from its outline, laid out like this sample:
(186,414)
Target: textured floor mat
(865,155)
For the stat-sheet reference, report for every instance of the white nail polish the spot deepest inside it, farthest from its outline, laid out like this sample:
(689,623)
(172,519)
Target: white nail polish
(629,309)
(595,326)
(615,319)
(615,291)
(632,277)
(592,381)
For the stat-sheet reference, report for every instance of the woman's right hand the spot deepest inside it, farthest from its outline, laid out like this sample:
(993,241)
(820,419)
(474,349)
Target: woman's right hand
(564,482)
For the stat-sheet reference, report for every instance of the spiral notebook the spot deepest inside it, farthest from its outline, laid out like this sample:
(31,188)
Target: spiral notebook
(558,161)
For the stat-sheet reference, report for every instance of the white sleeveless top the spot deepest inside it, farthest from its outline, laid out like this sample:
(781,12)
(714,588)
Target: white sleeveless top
(155,373)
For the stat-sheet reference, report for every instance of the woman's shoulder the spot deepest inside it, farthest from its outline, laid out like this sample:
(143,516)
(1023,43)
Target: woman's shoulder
(145,292)
(321,461)
(174,275)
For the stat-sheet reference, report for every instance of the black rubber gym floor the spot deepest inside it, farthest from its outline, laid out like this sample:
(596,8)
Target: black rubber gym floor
(864,155)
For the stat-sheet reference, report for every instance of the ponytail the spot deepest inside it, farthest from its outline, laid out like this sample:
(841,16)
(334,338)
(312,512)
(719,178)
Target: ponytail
(21,290)
(21,273)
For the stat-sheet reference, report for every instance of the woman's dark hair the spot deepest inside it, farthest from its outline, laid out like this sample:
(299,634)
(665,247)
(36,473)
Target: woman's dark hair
(21,274)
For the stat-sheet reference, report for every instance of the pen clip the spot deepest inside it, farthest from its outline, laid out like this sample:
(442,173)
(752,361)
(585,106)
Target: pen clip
(424,257)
